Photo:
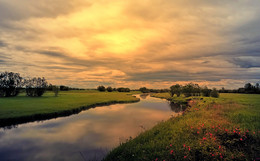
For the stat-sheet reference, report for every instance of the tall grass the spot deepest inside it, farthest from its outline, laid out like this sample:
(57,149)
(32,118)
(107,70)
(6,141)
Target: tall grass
(225,128)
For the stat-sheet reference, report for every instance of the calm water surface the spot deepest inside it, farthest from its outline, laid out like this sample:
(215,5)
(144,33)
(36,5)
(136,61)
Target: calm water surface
(85,136)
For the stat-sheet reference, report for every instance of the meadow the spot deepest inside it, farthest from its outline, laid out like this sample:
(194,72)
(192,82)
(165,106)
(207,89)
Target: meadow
(22,108)
(224,128)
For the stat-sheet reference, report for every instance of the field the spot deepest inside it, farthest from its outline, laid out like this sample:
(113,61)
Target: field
(225,128)
(22,108)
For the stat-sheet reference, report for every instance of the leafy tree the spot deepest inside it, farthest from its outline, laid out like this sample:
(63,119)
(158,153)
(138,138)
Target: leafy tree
(257,85)
(175,89)
(214,93)
(36,87)
(205,91)
(196,90)
(109,89)
(101,88)
(188,90)
(10,84)
(144,90)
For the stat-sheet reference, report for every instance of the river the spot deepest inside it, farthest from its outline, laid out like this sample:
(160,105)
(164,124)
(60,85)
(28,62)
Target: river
(89,135)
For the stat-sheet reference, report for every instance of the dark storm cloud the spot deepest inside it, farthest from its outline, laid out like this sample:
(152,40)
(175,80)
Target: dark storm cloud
(247,62)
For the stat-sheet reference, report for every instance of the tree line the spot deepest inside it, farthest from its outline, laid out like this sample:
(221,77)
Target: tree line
(110,89)
(248,89)
(193,90)
(12,83)
(187,90)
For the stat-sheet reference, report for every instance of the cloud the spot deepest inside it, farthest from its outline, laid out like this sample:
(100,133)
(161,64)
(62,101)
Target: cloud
(3,44)
(247,62)
(131,42)
(15,10)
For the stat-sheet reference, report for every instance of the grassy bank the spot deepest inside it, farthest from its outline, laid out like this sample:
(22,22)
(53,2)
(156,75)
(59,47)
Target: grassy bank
(21,109)
(225,128)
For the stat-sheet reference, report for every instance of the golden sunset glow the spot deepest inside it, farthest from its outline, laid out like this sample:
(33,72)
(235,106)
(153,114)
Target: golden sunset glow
(132,43)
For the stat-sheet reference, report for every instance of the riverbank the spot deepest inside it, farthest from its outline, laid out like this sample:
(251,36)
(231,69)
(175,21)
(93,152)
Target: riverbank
(225,128)
(22,109)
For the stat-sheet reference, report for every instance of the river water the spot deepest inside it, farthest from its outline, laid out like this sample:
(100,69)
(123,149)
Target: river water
(89,135)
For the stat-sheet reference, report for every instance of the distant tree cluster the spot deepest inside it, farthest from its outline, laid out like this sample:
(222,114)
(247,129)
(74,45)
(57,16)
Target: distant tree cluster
(192,90)
(12,83)
(110,89)
(35,87)
(121,89)
(144,90)
(248,89)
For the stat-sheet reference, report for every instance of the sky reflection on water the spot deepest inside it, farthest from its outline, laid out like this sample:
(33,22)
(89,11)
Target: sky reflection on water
(85,136)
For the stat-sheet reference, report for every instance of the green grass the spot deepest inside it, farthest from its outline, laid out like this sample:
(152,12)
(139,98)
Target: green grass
(225,128)
(22,106)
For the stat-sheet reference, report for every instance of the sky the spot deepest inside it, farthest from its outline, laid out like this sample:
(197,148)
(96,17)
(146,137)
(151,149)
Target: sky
(132,43)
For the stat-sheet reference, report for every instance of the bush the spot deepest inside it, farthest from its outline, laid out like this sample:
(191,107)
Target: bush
(101,88)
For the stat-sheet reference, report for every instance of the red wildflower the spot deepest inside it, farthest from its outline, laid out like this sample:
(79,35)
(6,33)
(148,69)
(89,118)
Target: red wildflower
(198,132)
(184,145)
(170,144)
(221,156)
(185,156)
(219,146)
(156,159)
(171,152)
(213,155)
(241,139)
(204,138)
(189,148)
